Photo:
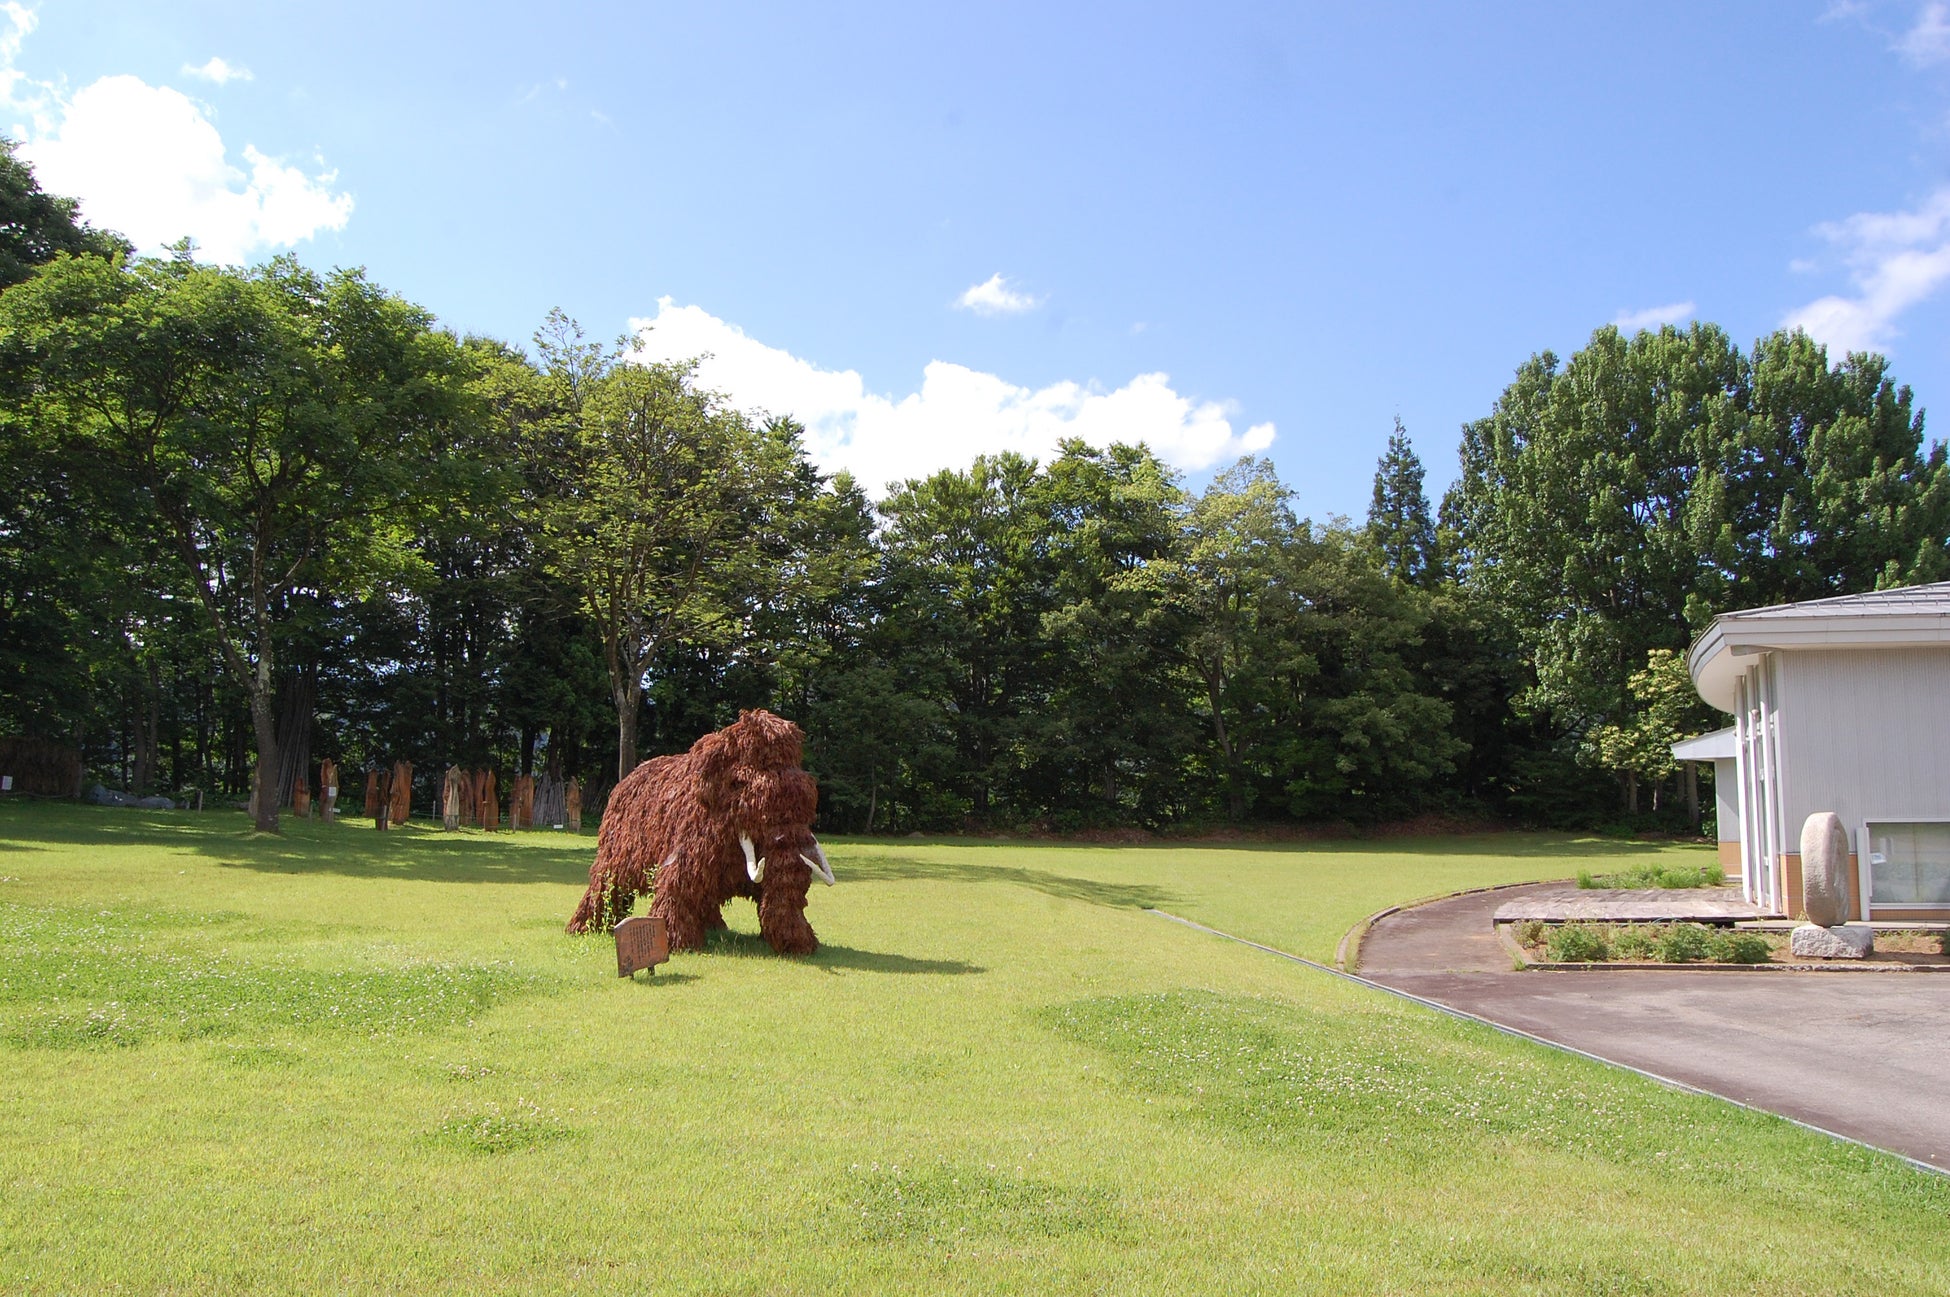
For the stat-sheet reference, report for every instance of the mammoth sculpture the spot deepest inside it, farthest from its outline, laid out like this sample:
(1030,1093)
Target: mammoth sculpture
(731,817)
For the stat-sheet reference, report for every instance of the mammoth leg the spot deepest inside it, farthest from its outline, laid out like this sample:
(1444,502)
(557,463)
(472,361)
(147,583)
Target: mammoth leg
(782,918)
(684,923)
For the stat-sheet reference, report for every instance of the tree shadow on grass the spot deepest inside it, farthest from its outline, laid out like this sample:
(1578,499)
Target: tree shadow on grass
(419,850)
(749,945)
(1522,843)
(879,869)
(468,857)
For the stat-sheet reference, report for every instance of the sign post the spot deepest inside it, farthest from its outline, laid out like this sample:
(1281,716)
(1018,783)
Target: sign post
(640,943)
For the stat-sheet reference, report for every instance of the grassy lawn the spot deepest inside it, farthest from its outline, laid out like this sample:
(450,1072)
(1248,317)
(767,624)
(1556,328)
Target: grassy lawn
(352,1062)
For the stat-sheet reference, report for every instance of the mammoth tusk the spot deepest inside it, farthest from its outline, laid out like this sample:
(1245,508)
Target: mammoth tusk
(820,868)
(669,860)
(757,870)
(751,852)
(825,866)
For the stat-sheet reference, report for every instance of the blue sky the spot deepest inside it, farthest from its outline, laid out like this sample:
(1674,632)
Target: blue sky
(1212,225)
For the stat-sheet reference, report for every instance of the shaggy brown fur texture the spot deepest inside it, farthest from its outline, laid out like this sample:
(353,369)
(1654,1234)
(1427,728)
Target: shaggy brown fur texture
(672,828)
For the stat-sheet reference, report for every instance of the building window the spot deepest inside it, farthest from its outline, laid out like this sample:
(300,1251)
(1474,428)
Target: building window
(1909,864)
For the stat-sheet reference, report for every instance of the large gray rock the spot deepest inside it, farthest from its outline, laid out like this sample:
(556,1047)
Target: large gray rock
(1853,941)
(1824,869)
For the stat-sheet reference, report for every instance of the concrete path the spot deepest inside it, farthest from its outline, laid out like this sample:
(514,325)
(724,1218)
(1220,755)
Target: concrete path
(1863,1054)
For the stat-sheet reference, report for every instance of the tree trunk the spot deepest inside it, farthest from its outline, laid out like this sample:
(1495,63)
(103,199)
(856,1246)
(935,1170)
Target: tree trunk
(1631,792)
(628,704)
(264,724)
(1692,793)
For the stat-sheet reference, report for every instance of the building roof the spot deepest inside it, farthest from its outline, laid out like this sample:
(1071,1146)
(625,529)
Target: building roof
(1716,746)
(1916,615)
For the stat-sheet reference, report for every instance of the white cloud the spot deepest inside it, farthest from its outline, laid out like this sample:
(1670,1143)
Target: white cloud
(958,412)
(20,24)
(993,296)
(1895,259)
(1929,40)
(219,71)
(146,161)
(1654,316)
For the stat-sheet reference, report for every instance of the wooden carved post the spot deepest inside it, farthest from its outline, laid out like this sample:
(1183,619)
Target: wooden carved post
(301,799)
(471,808)
(328,783)
(490,803)
(572,806)
(450,801)
(372,793)
(402,792)
(521,805)
(382,799)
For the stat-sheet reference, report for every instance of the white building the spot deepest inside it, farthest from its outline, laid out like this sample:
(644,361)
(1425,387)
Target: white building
(1838,705)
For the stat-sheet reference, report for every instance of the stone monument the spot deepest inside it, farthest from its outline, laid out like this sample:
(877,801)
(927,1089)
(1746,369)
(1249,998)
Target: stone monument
(1825,894)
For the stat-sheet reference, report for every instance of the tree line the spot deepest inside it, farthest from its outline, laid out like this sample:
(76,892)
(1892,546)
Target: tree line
(254,518)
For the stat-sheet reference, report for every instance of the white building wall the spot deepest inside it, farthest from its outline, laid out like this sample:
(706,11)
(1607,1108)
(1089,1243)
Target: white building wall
(1726,800)
(1866,735)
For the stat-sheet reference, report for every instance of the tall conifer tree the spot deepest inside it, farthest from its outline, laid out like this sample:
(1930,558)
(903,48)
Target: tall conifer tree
(1399,523)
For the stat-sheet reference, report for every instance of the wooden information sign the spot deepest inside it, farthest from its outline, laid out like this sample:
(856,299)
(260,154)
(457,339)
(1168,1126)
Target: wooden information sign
(640,943)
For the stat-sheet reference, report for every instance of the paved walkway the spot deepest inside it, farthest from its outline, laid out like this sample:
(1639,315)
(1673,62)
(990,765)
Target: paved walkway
(1863,1054)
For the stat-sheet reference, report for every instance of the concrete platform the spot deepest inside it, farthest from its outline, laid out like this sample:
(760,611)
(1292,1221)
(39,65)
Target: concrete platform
(1866,1056)
(1568,903)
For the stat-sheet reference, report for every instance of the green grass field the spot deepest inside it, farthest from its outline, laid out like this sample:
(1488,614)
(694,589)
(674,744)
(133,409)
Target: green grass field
(351,1062)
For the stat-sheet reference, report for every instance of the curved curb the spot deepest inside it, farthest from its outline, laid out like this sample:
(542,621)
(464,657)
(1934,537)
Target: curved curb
(1526,964)
(1347,955)
(1518,1032)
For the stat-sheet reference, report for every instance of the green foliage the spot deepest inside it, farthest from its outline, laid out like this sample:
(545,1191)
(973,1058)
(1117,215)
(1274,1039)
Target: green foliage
(1654,875)
(1616,502)
(1635,941)
(271,423)
(1676,943)
(1667,709)
(1684,943)
(265,516)
(1742,948)
(1399,524)
(1579,943)
(658,516)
